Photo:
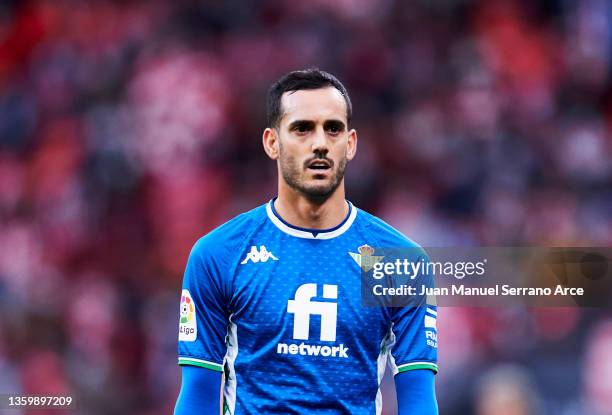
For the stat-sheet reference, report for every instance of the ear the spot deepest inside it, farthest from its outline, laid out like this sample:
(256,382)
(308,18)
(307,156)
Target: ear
(351,145)
(270,143)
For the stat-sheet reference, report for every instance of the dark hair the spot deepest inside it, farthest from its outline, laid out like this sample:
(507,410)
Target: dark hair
(312,78)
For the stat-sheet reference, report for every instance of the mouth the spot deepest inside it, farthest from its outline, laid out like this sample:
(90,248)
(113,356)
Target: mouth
(319,165)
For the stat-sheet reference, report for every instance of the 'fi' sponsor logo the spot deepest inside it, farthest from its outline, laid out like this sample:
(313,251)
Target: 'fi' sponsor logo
(302,307)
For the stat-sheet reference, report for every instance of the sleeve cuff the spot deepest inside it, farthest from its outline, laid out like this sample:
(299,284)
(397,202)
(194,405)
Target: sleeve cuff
(201,363)
(417,365)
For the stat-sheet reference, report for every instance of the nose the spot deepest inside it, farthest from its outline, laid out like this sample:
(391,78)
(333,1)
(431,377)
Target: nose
(319,142)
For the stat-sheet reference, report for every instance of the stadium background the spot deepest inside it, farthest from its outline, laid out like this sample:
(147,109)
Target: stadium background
(128,129)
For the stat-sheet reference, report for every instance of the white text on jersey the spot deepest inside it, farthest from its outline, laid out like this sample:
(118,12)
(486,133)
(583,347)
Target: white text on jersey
(302,307)
(312,350)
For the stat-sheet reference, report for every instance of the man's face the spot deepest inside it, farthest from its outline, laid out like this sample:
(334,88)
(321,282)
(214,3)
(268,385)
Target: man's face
(314,142)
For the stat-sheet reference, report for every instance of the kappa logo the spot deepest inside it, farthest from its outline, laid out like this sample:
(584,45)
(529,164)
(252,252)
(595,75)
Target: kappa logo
(365,258)
(261,255)
(302,307)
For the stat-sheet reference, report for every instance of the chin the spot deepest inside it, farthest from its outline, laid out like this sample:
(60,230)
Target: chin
(318,191)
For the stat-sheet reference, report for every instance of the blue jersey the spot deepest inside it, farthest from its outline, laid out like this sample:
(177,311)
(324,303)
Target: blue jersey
(278,309)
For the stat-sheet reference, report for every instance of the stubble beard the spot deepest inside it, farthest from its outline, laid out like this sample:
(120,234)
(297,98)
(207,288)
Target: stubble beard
(294,172)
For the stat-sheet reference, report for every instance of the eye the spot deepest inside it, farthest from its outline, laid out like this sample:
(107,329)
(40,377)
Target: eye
(301,128)
(334,128)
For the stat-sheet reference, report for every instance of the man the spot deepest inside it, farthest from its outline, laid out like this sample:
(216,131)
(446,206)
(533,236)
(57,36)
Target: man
(272,298)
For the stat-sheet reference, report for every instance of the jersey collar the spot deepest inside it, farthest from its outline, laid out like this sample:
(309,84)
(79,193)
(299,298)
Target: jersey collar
(306,233)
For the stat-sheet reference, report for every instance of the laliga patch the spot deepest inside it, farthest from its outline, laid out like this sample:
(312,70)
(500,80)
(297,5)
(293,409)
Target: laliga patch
(430,322)
(431,316)
(188,329)
(431,331)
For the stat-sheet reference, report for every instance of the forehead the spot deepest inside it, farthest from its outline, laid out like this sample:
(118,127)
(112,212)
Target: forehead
(313,104)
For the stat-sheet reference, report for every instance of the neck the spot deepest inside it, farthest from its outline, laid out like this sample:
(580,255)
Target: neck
(298,210)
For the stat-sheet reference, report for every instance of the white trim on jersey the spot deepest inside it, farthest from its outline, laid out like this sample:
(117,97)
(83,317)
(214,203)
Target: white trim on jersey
(229,390)
(309,235)
(381,364)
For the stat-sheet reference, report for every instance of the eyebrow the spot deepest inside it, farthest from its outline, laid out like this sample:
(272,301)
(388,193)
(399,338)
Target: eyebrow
(334,123)
(310,124)
(301,123)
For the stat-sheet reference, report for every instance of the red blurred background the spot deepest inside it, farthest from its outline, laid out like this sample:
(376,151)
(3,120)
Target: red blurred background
(129,129)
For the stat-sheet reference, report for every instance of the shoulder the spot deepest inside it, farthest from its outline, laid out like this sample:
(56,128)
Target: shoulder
(384,233)
(227,238)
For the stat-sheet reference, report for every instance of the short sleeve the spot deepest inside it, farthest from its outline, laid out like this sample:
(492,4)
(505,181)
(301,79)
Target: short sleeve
(203,320)
(414,334)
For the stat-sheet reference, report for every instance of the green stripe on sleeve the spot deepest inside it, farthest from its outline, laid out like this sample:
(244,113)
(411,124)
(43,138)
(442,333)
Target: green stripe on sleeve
(417,365)
(201,363)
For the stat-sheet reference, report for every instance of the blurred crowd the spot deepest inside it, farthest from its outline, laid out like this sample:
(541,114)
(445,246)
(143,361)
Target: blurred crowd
(129,129)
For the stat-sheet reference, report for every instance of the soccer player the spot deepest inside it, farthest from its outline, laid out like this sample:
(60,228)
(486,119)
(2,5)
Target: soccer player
(272,298)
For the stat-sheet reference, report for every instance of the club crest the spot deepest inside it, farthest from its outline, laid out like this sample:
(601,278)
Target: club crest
(366,258)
